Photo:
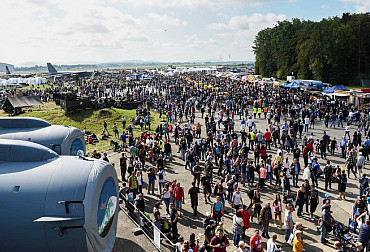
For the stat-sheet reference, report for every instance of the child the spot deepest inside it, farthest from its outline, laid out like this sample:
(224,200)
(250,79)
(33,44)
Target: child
(338,246)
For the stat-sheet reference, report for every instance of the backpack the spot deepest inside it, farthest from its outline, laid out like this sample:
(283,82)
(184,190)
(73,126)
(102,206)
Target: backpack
(165,224)
(217,151)
(365,184)
(343,178)
(160,175)
(230,186)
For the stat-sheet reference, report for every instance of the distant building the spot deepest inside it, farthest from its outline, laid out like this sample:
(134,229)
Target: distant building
(2,67)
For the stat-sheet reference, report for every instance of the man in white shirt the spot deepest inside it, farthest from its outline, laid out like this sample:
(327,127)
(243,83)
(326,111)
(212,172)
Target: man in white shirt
(219,120)
(250,123)
(360,164)
(271,244)
(306,123)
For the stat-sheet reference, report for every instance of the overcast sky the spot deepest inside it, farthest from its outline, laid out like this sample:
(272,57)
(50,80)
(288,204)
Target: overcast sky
(93,31)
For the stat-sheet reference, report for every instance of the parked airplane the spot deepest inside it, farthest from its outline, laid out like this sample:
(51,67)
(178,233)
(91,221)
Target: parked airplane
(10,75)
(55,73)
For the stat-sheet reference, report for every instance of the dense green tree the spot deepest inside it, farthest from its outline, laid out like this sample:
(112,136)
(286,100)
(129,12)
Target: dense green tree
(334,50)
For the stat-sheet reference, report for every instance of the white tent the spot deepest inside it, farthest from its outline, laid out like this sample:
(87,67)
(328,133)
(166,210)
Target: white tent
(20,80)
(36,81)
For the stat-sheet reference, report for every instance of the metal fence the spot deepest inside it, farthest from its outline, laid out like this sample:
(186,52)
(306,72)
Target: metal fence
(149,229)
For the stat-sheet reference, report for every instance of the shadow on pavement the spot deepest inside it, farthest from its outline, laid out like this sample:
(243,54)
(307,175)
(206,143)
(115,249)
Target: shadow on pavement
(127,246)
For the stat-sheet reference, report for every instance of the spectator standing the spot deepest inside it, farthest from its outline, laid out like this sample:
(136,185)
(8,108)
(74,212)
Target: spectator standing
(265,217)
(288,222)
(219,242)
(255,241)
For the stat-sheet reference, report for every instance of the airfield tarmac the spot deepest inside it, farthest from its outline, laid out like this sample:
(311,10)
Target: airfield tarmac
(126,241)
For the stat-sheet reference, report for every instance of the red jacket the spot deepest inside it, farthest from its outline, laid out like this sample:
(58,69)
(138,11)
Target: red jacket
(245,216)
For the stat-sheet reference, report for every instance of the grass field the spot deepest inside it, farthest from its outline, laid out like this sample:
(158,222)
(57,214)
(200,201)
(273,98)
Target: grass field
(91,119)
(354,87)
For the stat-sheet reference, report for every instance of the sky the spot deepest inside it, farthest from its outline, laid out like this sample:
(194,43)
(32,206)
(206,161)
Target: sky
(100,31)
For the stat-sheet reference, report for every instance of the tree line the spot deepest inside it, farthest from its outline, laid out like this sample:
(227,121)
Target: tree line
(335,50)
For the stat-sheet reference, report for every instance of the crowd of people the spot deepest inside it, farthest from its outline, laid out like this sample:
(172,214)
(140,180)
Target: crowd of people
(227,151)
(236,139)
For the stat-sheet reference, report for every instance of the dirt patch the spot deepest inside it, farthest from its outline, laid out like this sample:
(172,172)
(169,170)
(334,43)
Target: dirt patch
(105,113)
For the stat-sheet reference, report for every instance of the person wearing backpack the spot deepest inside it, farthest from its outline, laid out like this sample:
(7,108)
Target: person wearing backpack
(161,181)
(364,184)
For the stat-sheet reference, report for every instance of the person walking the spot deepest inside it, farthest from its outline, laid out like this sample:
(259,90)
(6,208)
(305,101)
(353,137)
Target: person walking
(326,223)
(271,244)
(328,173)
(298,242)
(288,222)
(257,206)
(277,205)
(237,200)
(174,220)
(123,166)
(237,227)
(300,200)
(265,218)
(342,184)
(193,192)
(313,200)
(295,168)
(360,163)
(255,242)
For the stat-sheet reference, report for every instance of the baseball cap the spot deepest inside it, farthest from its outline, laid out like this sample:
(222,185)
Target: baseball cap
(208,214)
(327,195)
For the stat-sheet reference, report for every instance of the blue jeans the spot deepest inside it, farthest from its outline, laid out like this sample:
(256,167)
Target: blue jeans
(134,192)
(295,179)
(300,205)
(158,224)
(236,238)
(340,122)
(192,164)
(265,230)
(346,133)
(287,234)
(269,177)
(305,127)
(323,234)
(222,199)
(167,203)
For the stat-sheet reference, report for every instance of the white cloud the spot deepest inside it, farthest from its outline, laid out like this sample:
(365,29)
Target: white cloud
(217,26)
(192,4)
(108,30)
(165,19)
(361,6)
(195,42)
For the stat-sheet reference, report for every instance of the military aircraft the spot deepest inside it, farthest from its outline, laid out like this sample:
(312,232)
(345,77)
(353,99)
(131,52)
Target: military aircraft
(55,73)
(10,75)
(55,203)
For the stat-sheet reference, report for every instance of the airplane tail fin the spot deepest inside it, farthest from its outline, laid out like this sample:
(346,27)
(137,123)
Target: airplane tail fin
(7,70)
(51,68)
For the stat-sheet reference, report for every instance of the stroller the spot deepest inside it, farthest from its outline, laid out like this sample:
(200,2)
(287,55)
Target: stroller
(345,237)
